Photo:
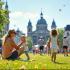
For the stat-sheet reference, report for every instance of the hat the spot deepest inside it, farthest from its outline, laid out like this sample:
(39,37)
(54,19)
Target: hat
(11,31)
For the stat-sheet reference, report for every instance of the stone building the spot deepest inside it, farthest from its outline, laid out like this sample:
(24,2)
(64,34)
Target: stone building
(67,34)
(41,34)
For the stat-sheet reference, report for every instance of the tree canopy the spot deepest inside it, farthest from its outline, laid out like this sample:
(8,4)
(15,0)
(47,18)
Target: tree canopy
(3,16)
(60,36)
(29,41)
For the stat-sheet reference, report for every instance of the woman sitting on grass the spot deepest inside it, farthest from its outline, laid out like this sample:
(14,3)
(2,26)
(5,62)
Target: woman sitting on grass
(54,44)
(9,49)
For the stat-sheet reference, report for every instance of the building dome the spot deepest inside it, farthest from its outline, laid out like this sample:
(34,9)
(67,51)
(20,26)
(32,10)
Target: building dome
(41,20)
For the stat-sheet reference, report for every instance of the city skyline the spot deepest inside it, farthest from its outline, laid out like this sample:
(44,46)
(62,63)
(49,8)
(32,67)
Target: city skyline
(22,11)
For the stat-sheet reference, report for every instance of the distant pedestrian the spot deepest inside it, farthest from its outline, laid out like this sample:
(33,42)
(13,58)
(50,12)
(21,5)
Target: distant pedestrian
(34,49)
(45,49)
(41,48)
(65,46)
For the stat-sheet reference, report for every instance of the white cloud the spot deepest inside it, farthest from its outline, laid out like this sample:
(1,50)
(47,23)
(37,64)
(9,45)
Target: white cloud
(20,19)
(18,14)
(15,14)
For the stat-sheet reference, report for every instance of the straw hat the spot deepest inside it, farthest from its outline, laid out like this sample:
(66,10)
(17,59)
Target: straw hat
(11,31)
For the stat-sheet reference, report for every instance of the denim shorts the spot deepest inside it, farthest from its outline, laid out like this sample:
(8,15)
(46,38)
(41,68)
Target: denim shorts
(13,56)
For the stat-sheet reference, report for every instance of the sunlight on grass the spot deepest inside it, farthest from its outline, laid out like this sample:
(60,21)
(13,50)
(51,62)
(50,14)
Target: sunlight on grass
(37,62)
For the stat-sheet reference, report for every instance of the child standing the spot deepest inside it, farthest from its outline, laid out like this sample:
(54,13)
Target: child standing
(25,46)
(54,44)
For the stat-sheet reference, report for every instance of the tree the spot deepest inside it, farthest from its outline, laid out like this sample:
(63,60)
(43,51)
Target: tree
(29,41)
(3,16)
(60,36)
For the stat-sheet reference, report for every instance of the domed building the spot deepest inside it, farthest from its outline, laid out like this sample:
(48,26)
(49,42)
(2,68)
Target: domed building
(41,34)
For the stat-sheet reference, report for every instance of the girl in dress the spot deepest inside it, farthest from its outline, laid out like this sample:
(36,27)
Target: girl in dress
(53,41)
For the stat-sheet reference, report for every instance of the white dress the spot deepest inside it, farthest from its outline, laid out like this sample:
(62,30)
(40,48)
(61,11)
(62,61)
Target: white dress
(54,47)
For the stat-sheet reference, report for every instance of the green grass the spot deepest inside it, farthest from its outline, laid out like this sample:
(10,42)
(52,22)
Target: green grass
(37,62)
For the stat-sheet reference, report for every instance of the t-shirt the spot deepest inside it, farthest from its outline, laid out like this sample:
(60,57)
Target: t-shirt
(25,46)
(8,47)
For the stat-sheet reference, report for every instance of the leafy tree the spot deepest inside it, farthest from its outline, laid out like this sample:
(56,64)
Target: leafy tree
(29,41)
(3,16)
(60,36)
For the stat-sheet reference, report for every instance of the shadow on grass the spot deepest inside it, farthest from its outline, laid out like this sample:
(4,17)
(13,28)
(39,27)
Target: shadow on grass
(25,60)
(60,63)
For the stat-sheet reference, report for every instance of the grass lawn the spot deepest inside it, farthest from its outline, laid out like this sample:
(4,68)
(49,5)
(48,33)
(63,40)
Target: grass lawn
(37,62)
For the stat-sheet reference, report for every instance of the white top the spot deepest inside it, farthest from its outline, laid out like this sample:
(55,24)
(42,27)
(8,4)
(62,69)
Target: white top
(25,47)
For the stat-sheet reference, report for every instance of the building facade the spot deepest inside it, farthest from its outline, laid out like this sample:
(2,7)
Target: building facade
(41,34)
(67,31)
(67,34)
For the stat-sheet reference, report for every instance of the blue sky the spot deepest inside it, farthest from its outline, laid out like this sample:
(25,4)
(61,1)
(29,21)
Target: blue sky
(23,10)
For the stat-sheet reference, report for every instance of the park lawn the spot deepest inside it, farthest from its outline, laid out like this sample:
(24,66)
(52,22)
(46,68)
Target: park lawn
(36,62)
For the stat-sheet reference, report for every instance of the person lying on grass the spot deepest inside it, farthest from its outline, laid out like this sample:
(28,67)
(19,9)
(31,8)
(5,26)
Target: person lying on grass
(25,46)
(9,49)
